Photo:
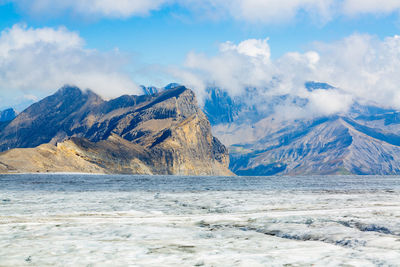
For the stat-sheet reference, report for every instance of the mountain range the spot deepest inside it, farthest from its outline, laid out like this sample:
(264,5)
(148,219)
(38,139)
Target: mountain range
(364,140)
(164,131)
(77,131)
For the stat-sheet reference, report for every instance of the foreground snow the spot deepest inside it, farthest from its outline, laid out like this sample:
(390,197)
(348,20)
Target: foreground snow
(208,228)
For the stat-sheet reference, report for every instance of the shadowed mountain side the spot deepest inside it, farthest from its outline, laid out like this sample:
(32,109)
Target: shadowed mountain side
(165,133)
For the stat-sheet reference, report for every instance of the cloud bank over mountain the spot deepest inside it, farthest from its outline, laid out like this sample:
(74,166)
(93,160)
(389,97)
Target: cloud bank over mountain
(362,68)
(44,59)
(253,11)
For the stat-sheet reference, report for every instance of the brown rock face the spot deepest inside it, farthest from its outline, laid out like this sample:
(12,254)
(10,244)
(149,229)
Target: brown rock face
(75,131)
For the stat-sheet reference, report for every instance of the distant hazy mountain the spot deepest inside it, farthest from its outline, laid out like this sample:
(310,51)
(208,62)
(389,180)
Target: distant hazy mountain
(7,115)
(220,107)
(366,140)
(310,86)
(150,90)
(74,130)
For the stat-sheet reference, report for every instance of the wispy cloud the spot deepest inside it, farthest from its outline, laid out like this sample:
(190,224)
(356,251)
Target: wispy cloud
(264,11)
(355,7)
(44,59)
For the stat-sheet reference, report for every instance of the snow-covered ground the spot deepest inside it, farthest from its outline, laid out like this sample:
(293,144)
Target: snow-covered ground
(287,227)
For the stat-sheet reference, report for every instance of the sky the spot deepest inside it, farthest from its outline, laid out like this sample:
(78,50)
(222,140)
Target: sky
(113,46)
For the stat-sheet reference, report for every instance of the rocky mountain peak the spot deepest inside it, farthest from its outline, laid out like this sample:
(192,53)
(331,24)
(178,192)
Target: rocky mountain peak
(168,131)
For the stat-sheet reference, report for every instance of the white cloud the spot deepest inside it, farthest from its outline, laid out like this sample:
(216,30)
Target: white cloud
(258,49)
(236,66)
(362,67)
(354,7)
(44,59)
(327,102)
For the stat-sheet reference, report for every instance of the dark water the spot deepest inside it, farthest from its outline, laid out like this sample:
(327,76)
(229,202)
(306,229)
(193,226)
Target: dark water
(79,183)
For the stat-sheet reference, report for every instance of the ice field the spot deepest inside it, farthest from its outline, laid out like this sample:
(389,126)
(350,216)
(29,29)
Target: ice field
(86,220)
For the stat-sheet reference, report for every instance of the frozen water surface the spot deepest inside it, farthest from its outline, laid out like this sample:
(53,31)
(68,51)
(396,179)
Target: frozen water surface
(99,220)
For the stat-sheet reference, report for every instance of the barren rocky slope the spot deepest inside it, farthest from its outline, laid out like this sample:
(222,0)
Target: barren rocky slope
(76,131)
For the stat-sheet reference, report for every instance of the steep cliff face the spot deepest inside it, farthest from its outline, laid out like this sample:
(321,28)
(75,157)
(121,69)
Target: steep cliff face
(164,133)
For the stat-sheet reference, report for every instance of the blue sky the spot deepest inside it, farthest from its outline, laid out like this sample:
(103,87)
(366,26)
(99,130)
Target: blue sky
(146,40)
(168,34)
